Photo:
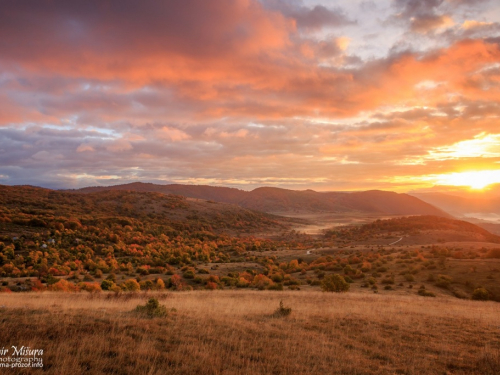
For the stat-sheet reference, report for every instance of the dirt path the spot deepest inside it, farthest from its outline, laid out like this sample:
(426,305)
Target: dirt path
(396,241)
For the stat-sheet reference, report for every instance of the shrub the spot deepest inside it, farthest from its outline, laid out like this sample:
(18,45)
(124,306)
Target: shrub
(176,283)
(242,283)
(366,267)
(348,279)
(59,226)
(152,309)
(211,285)
(37,286)
(160,284)
(277,286)
(334,283)
(291,281)
(443,281)
(262,282)
(90,287)
(425,293)
(131,285)
(277,278)
(143,270)
(147,285)
(480,294)
(72,224)
(50,280)
(348,270)
(460,294)
(189,274)
(63,286)
(107,284)
(282,311)
(409,277)
(214,279)
(228,281)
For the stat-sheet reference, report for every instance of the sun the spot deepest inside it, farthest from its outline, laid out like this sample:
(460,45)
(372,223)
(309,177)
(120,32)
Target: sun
(473,179)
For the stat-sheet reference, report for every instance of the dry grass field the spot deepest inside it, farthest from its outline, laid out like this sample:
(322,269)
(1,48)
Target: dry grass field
(234,332)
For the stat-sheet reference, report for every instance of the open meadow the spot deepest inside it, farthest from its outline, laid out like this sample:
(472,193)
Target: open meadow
(239,332)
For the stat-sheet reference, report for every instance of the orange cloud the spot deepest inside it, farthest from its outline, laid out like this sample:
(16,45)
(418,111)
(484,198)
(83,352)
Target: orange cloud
(257,90)
(172,134)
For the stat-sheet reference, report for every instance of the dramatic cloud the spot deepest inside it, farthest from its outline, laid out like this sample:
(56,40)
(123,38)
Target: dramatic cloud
(313,18)
(299,94)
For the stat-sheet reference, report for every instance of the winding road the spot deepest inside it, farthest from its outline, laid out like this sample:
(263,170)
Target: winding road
(309,252)
(396,241)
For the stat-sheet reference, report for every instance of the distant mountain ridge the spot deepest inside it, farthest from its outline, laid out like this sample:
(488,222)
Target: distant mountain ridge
(459,205)
(283,201)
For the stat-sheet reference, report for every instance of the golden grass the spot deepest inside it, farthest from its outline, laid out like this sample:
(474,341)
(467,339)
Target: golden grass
(233,332)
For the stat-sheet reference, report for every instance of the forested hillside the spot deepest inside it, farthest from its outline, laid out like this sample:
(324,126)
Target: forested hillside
(276,200)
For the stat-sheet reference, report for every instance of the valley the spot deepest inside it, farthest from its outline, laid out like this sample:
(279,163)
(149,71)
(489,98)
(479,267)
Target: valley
(122,240)
(243,291)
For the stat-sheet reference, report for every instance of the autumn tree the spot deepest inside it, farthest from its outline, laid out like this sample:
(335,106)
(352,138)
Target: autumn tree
(334,283)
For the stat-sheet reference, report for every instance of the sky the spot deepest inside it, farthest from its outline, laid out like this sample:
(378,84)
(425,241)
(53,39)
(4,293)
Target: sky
(398,95)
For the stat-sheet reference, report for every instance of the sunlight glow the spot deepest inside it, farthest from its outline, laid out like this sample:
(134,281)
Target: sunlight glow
(483,145)
(475,179)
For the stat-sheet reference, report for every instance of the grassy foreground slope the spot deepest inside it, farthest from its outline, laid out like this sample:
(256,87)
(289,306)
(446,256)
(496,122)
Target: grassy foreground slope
(231,332)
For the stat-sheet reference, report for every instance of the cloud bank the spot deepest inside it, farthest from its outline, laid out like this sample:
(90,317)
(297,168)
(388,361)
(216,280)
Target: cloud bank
(248,93)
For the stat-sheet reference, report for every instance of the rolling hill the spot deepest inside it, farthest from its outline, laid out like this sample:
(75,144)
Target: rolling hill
(283,201)
(414,230)
(27,206)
